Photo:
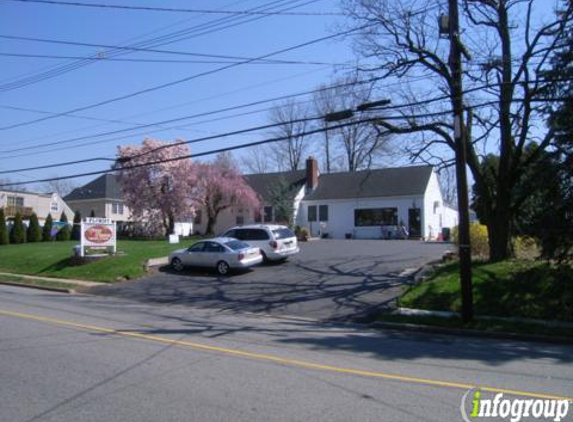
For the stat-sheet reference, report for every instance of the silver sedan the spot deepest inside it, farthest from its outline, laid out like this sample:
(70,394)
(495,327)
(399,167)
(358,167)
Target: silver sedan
(221,253)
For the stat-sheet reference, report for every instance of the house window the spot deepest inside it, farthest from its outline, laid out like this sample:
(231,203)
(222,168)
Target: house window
(312,213)
(117,208)
(258,217)
(15,201)
(268,211)
(436,206)
(15,204)
(323,213)
(240,220)
(197,219)
(376,217)
(54,206)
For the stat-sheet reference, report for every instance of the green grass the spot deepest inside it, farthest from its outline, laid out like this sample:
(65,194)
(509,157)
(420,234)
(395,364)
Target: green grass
(53,260)
(492,326)
(523,289)
(36,282)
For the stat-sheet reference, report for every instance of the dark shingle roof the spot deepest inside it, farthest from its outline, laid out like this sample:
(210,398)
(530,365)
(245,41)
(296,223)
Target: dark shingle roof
(400,181)
(263,183)
(105,186)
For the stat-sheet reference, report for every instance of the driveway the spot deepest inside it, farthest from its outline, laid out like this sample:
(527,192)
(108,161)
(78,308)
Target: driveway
(328,280)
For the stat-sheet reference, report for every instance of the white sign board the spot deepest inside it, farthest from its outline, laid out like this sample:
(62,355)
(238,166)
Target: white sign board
(98,237)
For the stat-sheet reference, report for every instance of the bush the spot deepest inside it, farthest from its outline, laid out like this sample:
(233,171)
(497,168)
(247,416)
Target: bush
(526,247)
(18,232)
(64,233)
(34,231)
(47,229)
(3,228)
(76,230)
(478,237)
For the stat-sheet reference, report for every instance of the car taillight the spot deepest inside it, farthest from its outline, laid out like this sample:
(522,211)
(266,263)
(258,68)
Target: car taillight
(273,244)
(241,256)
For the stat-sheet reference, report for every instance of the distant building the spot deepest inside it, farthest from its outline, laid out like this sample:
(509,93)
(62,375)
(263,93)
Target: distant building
(27,203)
(369,204)
(101,197)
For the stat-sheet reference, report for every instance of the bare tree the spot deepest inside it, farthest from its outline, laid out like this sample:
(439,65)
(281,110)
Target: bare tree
(359,145)
(448,185)
(511,43)
(61,187)
(289,154)
(256,160)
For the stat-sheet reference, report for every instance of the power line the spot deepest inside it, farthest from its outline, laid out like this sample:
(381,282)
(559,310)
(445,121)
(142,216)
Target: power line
(258,128)
(201,154)
(186,79)
(137,49)
(178,10)
(103,58)
(202,114)
(192,32)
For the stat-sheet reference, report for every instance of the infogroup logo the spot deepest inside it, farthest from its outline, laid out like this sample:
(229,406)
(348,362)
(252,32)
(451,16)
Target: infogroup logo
(500,408)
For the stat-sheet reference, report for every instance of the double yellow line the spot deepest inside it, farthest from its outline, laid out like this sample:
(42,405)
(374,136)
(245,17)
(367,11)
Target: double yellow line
(280,360)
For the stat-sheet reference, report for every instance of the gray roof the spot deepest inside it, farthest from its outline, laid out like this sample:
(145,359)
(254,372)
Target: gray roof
(105,186)
(264,182)
(400,181)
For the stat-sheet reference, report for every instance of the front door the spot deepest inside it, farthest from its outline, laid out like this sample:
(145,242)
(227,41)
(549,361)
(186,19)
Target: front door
(414,222)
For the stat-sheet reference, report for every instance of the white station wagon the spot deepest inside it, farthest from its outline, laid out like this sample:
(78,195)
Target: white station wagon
(276,242)
(220,253)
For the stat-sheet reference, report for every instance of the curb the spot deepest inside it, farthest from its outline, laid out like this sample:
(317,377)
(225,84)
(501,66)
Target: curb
(465,332)
(33,286)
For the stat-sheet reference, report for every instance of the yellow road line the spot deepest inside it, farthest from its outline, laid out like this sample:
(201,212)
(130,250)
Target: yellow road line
(284,361)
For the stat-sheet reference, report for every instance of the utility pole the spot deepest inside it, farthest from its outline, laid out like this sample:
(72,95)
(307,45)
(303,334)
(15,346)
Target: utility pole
(460,137)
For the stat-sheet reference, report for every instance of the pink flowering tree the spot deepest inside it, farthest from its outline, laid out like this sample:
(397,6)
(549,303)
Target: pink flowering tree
(220,185)
(159,193)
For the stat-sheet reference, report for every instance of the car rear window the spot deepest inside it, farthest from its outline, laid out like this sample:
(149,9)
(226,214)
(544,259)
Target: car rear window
(251,234)
(283,233)
(237,245)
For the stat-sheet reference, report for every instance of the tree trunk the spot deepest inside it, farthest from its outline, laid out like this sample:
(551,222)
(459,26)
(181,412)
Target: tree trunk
(211,222)
(499,233)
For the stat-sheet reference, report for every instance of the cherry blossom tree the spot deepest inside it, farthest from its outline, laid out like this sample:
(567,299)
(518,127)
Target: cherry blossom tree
(160,193)
(220,185)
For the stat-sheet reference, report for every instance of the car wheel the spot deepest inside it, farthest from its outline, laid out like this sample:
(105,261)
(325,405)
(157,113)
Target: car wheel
(265,259)
(222,268)
(177,264)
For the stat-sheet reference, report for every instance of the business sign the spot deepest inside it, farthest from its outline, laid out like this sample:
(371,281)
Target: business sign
(98,237)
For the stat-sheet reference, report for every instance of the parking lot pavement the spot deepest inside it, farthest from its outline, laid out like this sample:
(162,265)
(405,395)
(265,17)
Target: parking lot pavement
(328,280)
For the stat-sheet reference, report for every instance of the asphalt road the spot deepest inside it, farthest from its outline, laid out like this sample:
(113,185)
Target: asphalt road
(327,280)
(83,358)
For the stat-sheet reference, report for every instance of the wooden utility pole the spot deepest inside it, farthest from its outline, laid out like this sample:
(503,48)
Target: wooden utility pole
(460,136)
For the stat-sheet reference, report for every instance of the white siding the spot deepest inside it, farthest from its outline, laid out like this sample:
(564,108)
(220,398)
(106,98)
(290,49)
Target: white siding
(436,215)
(341,215)
(41,204)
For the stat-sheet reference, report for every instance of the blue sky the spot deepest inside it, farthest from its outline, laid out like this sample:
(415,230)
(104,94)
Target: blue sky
(104,80)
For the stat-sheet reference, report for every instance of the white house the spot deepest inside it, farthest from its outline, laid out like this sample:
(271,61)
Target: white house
(27,203)
(365,204)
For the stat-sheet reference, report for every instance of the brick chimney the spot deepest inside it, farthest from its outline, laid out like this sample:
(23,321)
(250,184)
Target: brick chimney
(311,174)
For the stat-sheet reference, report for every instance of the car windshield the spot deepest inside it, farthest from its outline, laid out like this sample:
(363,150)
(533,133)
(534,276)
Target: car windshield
(283,233)
(237,245)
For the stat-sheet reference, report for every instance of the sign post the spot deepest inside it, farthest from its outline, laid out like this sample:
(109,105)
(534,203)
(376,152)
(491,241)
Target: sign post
(98,237)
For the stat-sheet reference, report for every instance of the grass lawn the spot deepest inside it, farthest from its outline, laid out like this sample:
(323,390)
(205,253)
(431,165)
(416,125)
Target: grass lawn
(35,282)
(492,326)
(53,260)
(522,289)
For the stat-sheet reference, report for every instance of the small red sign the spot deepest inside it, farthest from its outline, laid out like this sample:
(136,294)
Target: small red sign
(98,234)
